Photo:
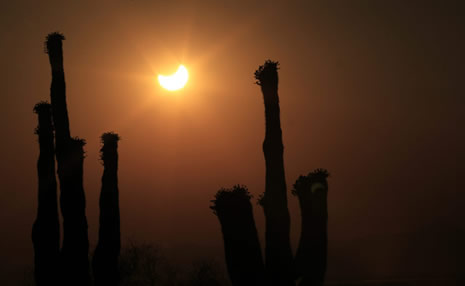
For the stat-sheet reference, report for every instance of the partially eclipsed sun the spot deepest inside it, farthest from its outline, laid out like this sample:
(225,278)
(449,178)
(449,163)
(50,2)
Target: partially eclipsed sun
(175,81)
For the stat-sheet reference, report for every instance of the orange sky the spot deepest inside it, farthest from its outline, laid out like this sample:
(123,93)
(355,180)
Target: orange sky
(369,90)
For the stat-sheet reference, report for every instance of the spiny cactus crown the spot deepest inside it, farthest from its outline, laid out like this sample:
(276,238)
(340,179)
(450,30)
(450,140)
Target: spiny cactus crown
(52,40)
(42,106)
(304,183)
(267,73)
(225,197)
(301,184)
(109,137)
(77,144)
(76,141)
(110,143)
(319,175)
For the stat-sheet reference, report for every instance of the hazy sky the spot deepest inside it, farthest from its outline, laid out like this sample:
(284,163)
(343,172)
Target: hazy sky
(371,90)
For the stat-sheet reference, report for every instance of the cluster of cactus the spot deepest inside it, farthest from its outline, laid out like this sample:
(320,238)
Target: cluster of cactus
(234,210)
(70,264)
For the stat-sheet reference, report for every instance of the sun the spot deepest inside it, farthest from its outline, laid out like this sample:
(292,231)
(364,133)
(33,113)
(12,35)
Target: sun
(175,81)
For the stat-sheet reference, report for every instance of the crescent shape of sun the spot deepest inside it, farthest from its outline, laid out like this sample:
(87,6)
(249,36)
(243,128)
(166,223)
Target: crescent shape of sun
(175,81)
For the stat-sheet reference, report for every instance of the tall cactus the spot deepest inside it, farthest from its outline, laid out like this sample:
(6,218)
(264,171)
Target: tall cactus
(310,259)
(242,248)
(69,154)
(46,228)
(54,49)
(235,212)
(75,249)
(105,260)
(278,252)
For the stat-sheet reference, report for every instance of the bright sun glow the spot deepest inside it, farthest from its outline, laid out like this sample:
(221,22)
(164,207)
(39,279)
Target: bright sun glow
(175,81)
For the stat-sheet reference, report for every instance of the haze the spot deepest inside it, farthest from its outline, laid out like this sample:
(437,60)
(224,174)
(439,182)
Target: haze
(371,90)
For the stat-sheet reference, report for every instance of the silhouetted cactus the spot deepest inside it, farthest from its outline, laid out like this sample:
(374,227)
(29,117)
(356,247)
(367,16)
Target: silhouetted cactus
(242,248)
(310,260)
(54,49)
(70,155)
(274,201)
(280,268)
(105,260)
(75,249)
(46,228)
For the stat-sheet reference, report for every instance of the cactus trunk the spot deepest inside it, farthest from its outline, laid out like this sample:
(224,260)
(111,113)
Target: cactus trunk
(70,155)
(278,249)
(46,228)
(242,248)
(54,46)
(75,247)
(105,260)
(311,254)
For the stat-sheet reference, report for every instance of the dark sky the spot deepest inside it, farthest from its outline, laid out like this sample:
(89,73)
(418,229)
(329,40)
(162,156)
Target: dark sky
(371,90)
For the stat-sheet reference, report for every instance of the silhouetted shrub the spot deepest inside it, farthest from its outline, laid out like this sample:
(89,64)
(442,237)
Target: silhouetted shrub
(204,273)
(145,264)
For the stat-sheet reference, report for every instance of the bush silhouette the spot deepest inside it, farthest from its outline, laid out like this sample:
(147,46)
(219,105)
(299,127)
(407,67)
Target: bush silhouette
(145,264)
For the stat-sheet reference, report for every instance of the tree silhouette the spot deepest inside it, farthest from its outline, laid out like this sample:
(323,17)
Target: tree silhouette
(105,260)
(234,211)
(69,155)
(46,228)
